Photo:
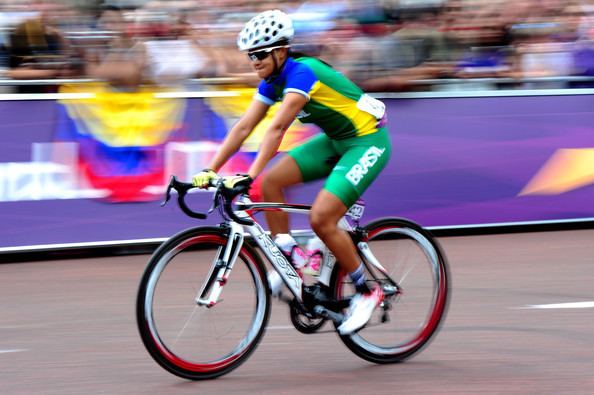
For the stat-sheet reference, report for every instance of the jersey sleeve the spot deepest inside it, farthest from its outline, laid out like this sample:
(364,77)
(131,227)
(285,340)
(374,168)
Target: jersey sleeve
(265,93)
(302,80)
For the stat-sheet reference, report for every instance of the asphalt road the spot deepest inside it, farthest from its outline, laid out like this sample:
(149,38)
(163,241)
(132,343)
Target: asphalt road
(521,321)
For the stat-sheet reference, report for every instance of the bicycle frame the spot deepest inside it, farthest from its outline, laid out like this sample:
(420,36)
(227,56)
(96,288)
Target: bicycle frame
(274,255)
(211,290)
(240,219)
(277,258)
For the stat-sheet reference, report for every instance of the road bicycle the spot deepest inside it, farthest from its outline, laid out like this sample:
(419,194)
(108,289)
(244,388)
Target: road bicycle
(204,299)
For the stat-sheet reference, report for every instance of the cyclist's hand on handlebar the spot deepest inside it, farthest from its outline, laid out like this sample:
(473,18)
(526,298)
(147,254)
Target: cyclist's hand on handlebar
(203,179)
(238,183)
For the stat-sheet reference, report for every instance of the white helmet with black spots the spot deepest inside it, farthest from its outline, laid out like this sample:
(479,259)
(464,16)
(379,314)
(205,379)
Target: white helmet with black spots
(265,29)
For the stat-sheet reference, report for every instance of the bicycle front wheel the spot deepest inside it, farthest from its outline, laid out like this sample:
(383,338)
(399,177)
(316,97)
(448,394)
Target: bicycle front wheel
(415,281)
(187,337)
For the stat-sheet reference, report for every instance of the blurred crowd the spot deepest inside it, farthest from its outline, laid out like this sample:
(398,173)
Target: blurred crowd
(383,45)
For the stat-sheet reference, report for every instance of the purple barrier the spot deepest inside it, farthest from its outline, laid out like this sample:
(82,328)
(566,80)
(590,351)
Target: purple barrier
(462,161)
(455,162)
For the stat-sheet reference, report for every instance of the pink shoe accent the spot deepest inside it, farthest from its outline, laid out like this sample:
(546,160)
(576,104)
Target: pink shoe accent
(299,258)
(314,263)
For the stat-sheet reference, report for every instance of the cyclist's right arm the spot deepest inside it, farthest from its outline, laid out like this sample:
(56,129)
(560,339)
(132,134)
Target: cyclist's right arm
(238,133)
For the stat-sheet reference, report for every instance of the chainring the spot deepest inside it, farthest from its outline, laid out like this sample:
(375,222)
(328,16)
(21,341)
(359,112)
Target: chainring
(303,323)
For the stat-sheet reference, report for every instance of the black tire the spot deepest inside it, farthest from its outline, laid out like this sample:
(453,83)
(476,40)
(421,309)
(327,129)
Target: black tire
(392,240)
(179,341)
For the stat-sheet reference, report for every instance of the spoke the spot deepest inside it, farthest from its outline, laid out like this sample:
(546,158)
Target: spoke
(195,289)
(221,335)
(393,275)
(183,328)
(405,275)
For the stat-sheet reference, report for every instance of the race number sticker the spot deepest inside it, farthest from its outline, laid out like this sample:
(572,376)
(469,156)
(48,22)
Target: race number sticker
(372,106)
(356,211)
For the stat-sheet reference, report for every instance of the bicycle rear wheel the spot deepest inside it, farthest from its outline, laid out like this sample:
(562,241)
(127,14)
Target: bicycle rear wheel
(194,340)
(415,282)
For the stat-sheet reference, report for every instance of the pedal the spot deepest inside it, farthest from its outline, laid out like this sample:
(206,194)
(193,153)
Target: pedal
(328,314)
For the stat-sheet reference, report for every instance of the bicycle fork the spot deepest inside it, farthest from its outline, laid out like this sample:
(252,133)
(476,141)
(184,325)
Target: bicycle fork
(220,270)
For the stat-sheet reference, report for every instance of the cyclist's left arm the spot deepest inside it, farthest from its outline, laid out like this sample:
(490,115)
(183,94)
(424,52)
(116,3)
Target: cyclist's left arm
(291,105)
(239,133)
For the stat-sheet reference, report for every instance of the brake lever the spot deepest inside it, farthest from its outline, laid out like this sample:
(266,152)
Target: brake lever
(168,191)
(216,199)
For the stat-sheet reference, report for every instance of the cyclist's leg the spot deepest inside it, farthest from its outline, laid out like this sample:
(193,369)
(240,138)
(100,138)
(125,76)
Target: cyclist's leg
(283,174)
(302,164)
(362,160)
(327,210)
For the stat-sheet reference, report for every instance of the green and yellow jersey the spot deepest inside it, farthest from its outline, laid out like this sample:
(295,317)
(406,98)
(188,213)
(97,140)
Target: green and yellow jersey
(335,104)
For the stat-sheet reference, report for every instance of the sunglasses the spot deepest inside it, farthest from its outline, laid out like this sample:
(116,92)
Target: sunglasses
(263,53)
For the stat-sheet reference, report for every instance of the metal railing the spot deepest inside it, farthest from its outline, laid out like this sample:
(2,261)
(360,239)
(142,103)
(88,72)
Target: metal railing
(422,82)
(426,88)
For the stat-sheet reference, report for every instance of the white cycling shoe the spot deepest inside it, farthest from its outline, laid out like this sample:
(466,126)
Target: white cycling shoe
(360,311)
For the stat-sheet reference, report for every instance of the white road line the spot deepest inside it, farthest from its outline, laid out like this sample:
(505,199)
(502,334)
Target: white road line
(280,327)
(9,351)
(573,305)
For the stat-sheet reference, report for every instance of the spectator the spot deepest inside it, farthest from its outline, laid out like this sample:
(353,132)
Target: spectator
(583,63)
(177,55)
(579,19)
(543,45)
(38,50)
(411,49)
(370,54)
(122,61)
(490,52)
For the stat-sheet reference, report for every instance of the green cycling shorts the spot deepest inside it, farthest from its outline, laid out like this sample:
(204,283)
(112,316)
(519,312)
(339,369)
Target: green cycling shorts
(351,164)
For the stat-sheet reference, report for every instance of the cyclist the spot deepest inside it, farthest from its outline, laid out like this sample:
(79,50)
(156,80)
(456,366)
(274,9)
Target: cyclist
(351,152)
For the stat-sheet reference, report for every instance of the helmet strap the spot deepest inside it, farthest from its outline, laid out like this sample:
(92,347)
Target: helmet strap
(277,69)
